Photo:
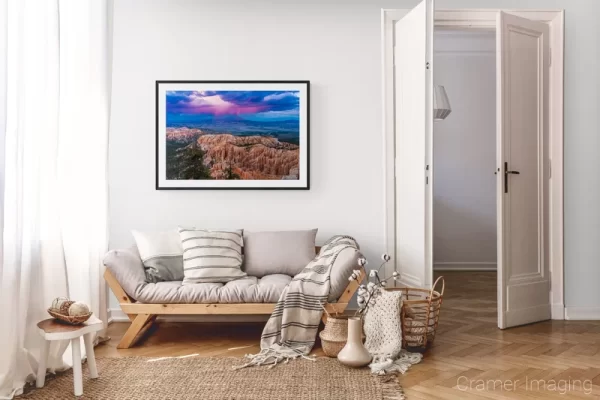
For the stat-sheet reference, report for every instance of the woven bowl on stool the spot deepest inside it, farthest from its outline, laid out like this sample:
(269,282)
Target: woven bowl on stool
(69,319)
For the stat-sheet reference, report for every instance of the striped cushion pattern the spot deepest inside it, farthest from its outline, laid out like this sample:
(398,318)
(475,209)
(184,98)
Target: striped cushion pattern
(211,255)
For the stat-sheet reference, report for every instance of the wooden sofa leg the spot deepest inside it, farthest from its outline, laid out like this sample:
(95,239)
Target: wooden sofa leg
(140,324)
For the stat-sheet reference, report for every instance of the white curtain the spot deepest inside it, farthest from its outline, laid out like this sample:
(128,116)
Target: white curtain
(54,117)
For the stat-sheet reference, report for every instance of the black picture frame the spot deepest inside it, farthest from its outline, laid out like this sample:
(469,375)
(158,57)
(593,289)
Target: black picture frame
(159,136)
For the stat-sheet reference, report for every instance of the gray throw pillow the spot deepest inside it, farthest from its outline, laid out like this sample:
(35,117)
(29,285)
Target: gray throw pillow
(162,255)
(283,252)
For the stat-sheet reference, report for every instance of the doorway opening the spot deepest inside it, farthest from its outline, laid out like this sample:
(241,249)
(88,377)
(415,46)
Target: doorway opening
(464,159)
(529,159)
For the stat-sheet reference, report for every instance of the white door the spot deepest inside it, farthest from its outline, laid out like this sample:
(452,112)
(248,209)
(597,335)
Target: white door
(413,69)
(523,58)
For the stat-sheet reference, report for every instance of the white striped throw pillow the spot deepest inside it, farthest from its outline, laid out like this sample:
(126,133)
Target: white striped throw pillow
(211,255)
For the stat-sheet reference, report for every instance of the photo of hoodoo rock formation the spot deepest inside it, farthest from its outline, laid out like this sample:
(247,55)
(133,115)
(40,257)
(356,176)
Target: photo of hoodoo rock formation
(193,154)
(232,135)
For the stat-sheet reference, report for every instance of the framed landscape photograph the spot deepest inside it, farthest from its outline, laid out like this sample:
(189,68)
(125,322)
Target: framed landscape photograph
(232,135)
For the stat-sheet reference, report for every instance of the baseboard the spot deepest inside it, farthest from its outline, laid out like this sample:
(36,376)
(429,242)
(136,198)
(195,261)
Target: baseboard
(465,266)
(109,317)
(557,311)
(117,315)
(582,313)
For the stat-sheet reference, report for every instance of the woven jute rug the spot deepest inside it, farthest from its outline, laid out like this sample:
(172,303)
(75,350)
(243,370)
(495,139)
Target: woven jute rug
(215,379)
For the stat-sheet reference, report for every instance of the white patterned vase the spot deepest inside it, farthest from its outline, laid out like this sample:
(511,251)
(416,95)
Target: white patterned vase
(354,354)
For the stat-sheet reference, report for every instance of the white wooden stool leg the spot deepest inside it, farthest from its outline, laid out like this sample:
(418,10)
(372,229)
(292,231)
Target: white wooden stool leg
(41,373)
(77,376)
(88,339)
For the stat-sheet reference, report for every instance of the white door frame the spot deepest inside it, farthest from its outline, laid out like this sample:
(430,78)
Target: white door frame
(486,19)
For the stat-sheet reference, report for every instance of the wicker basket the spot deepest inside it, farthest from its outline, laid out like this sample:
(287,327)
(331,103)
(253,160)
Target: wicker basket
(335,335)
(69,319)
(419,315)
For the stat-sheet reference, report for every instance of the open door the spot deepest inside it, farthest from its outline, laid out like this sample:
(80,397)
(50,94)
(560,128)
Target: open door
(413,69)
(523,59)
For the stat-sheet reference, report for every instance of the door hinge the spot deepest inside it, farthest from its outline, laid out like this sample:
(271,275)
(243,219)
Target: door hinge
(427,65)
(427,174)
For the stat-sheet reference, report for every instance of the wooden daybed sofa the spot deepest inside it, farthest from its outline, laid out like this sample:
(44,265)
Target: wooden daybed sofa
(143,302)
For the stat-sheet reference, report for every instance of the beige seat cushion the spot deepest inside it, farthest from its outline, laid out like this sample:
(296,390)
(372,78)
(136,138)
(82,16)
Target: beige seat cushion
(126,266)
(245,290)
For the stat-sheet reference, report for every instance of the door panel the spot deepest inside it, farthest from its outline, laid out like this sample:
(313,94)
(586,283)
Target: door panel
(523,158)
(413,55)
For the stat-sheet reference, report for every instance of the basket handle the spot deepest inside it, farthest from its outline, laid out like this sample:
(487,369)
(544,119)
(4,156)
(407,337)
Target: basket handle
(435,284)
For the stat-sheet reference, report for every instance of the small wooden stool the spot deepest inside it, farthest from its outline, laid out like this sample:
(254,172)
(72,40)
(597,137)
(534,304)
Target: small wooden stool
(51,329)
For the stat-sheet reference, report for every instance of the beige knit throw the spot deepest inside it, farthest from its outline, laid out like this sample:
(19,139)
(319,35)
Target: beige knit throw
(383,329)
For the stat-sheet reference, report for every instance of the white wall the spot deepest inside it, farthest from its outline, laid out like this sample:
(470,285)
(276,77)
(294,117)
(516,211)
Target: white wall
(464,147)
(335,44)
(337,49)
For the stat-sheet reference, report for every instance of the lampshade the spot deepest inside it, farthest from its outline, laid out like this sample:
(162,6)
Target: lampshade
(441,104)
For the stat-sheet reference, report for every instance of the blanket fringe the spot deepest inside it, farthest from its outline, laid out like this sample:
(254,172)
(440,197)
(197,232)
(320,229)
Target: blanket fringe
(273,356)
(385,364)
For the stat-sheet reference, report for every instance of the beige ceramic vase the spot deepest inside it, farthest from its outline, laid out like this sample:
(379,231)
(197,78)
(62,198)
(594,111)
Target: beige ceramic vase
(354,354)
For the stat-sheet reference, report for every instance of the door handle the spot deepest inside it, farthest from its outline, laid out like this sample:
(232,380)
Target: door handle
(506,172)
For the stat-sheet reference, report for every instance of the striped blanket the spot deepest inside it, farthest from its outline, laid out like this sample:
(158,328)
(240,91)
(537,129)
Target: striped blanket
(291,330)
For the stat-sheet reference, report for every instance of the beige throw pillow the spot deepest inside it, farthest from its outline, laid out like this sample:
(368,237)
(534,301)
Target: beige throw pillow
(211,255)
(283,252)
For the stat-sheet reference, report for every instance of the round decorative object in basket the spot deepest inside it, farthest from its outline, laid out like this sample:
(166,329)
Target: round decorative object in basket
(78,308)
(58,302)
(335,335)
(64,307)
(419,315)
(69,319)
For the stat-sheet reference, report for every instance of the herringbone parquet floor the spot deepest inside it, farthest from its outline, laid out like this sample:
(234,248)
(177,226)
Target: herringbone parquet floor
(470,359)
(473,359)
